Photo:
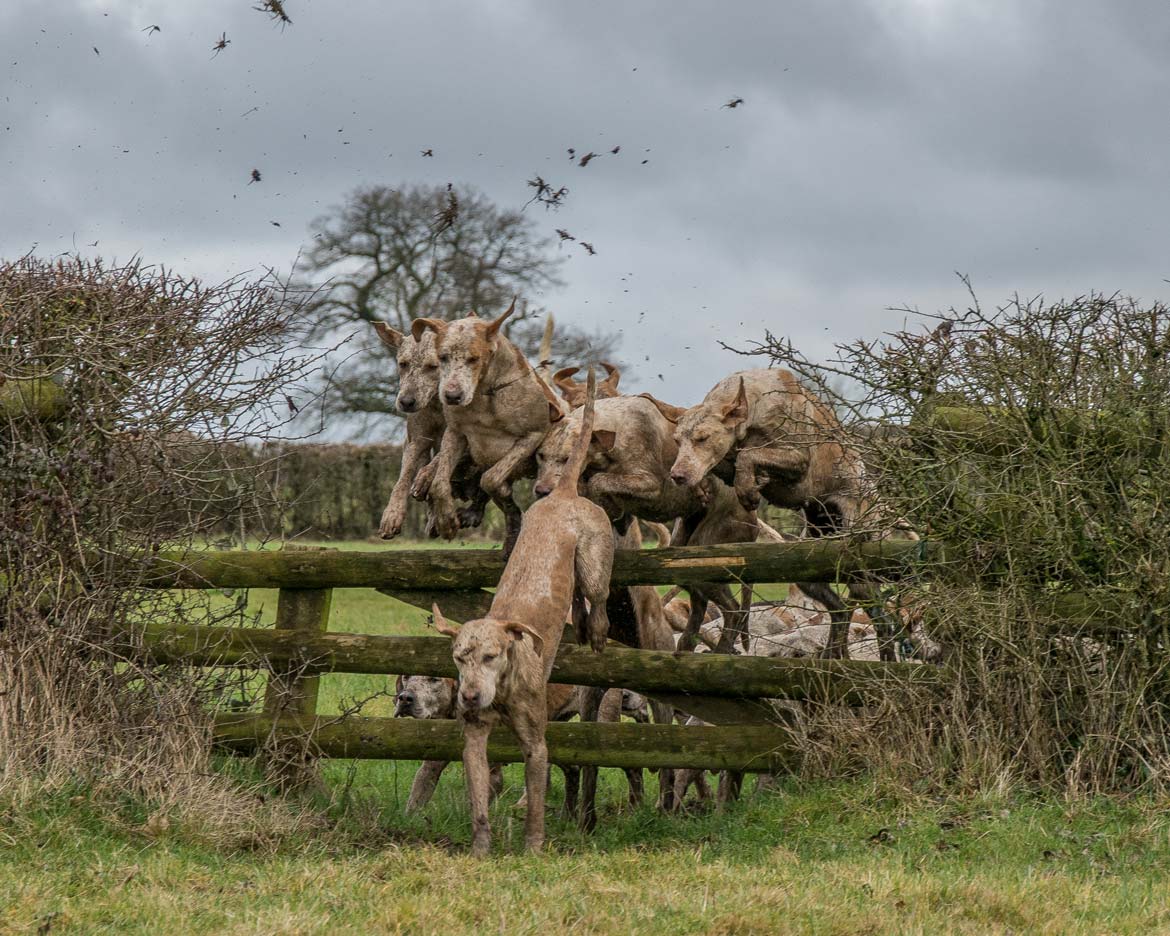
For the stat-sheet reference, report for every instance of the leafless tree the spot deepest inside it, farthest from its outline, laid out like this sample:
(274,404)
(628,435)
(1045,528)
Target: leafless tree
(381,255)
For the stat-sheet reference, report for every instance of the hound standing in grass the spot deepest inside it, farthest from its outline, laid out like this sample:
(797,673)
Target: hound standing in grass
(563,556)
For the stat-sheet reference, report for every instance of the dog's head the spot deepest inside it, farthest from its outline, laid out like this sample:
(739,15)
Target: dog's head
(465,348)
(418,367)
(557,448)
(424,697)
(704,433)
(484,650)
(635,705)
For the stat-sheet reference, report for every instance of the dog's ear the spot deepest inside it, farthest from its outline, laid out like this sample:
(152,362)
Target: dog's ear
(441,624)
(399,683)
(564,381)
(737,410)
(555,413)
(391,337)
(604,439)
(518,630)
(418,326)
(494,325)
(671,413)
(608,387)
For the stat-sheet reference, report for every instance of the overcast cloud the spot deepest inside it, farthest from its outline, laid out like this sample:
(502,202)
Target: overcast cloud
(882,146)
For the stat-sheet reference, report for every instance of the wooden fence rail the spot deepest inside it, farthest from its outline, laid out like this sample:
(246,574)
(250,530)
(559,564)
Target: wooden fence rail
(746,747)
(848,682)
(824,560)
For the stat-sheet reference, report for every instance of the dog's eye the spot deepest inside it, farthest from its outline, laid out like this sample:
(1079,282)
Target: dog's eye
(444,358)
(472,360)
(432,367)
(700,439)
(488,657)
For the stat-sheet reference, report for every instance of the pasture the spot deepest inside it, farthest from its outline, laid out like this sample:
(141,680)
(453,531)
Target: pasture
(850,856)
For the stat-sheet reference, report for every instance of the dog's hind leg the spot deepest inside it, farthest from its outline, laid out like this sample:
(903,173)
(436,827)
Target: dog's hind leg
(590,705)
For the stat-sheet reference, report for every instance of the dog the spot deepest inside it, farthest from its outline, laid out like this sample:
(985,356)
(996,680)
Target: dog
(497,409)
(764,433)
(418,400)
(563,558)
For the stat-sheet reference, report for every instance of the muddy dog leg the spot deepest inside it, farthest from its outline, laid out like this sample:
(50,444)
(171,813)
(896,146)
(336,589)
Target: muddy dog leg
(529,727)
(423,787)
(839,617)
(594,563)
(475,766)
(663,714)
(590,705)
(572,788)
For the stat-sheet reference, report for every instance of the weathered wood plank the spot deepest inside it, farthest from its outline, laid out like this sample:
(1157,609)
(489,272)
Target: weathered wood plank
(305,612)
(825,559)
(745,747)
(846,681)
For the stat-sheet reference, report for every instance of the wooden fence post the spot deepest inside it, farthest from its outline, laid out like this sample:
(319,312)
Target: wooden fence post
(289,691)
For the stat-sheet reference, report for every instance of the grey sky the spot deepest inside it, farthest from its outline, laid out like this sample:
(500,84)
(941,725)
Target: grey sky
(881,147)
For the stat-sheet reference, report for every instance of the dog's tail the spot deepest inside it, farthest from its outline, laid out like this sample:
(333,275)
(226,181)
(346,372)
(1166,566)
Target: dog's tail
(576,462)
(544,364)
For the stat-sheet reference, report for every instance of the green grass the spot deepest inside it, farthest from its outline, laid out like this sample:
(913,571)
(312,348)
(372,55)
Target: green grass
(834,858)
(805,860)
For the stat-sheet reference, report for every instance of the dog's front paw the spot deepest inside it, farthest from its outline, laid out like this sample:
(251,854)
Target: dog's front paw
(749,498)
(703,491)
(392,519)
(495,482)
(422,482)
(597,638)
(442,518)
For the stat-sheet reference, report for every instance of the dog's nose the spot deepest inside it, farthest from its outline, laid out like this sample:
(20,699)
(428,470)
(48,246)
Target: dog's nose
(678,477)
(541,489)
(452,397)
(469,699)
(407,404)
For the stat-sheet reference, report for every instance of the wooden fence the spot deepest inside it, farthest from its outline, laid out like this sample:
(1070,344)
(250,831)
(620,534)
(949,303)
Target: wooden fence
(732,692)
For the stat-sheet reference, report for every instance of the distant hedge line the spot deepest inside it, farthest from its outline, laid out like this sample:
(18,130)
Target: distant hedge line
(330,491)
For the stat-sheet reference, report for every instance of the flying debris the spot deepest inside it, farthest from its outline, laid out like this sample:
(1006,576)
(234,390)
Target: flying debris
(588,248)
(733,103)
(292,407)
(151,30)
(546,194)
(615,150)
(274,223)
(572,153)
(95,51)
(565,235)
(220,44)
(275,11)
(428,152)
(586,159)
(255,176)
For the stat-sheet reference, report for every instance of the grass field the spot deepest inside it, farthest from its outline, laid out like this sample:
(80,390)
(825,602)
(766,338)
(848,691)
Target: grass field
(840,858)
